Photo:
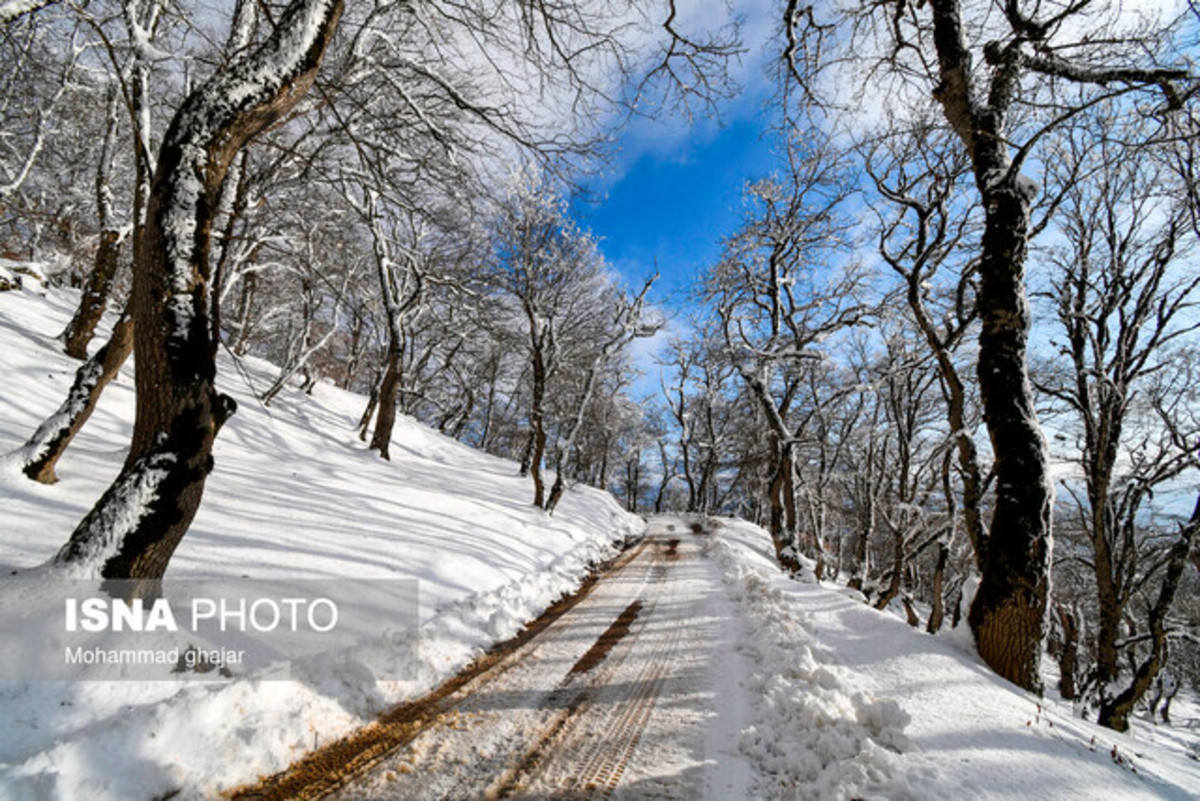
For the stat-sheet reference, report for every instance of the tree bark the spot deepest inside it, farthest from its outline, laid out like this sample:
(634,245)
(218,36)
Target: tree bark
(937,611)
(1007,616)
(783,511)
(50,441)
(1008,613)
(1068,656)
(135,527)
(364,421)
(541,340)
(245,312)
(389,388)
(79,331)
(400,297)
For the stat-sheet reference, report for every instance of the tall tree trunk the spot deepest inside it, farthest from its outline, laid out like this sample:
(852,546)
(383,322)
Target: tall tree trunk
(664,480)
(137,524)
(540,335)
(82,326)
(1009,610)
(535,461)
(897,571)
(389,389)
(398,301)
(50,441)
(783,512)
(1068,655)
(1008,614)
(861,553)
(79,331)
(937,611)
(245,312)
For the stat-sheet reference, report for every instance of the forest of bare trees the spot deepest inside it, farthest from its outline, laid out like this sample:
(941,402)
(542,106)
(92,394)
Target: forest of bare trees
(948,355)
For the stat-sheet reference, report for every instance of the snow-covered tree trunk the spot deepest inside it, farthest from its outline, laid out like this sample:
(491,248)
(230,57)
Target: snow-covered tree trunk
(47,445)
(1008,614)
(78,332)
(139,521)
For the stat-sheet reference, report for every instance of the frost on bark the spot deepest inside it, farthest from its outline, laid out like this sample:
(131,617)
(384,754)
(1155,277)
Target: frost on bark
(47,445)
(136,525)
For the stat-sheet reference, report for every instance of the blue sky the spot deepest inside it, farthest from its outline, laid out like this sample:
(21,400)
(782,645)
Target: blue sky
(674,192)
(673,204)
(674,189)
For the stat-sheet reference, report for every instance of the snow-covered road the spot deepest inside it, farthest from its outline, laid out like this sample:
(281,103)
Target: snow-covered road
(630,692)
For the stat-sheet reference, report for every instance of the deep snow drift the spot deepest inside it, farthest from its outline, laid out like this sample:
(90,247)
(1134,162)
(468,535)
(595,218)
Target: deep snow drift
(294,495)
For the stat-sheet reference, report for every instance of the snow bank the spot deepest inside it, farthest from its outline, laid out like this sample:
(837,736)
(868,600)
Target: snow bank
(856,704)
(294,495)
(815,734)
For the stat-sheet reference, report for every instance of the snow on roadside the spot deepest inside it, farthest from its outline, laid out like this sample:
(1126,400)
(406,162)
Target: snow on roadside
(814,734)
(294,495)
(856,704)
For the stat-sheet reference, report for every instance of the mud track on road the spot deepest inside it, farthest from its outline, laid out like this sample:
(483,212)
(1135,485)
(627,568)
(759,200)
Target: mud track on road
(325,770)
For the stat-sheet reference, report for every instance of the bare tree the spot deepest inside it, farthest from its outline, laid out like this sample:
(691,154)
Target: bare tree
(923,224)
(629,321)
(42,451)
(1002,85)
(135,527)
(1124,300)
(551,271)
(775,306)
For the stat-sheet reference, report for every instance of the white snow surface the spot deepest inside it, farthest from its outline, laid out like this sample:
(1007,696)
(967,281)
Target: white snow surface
(853,703)
(822,696)
(294,495)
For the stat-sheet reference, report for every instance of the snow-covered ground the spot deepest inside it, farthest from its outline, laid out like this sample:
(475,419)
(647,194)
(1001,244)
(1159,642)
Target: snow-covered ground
(853,703)
(637,691)
(818,695)
(294,495)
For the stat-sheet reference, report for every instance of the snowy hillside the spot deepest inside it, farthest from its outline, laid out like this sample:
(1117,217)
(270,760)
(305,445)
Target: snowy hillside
(852,702)
(294,494)
(822,697)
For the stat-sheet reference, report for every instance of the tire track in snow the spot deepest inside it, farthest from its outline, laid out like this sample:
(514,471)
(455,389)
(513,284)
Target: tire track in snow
(568,757)
(322,773)
(570,710)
